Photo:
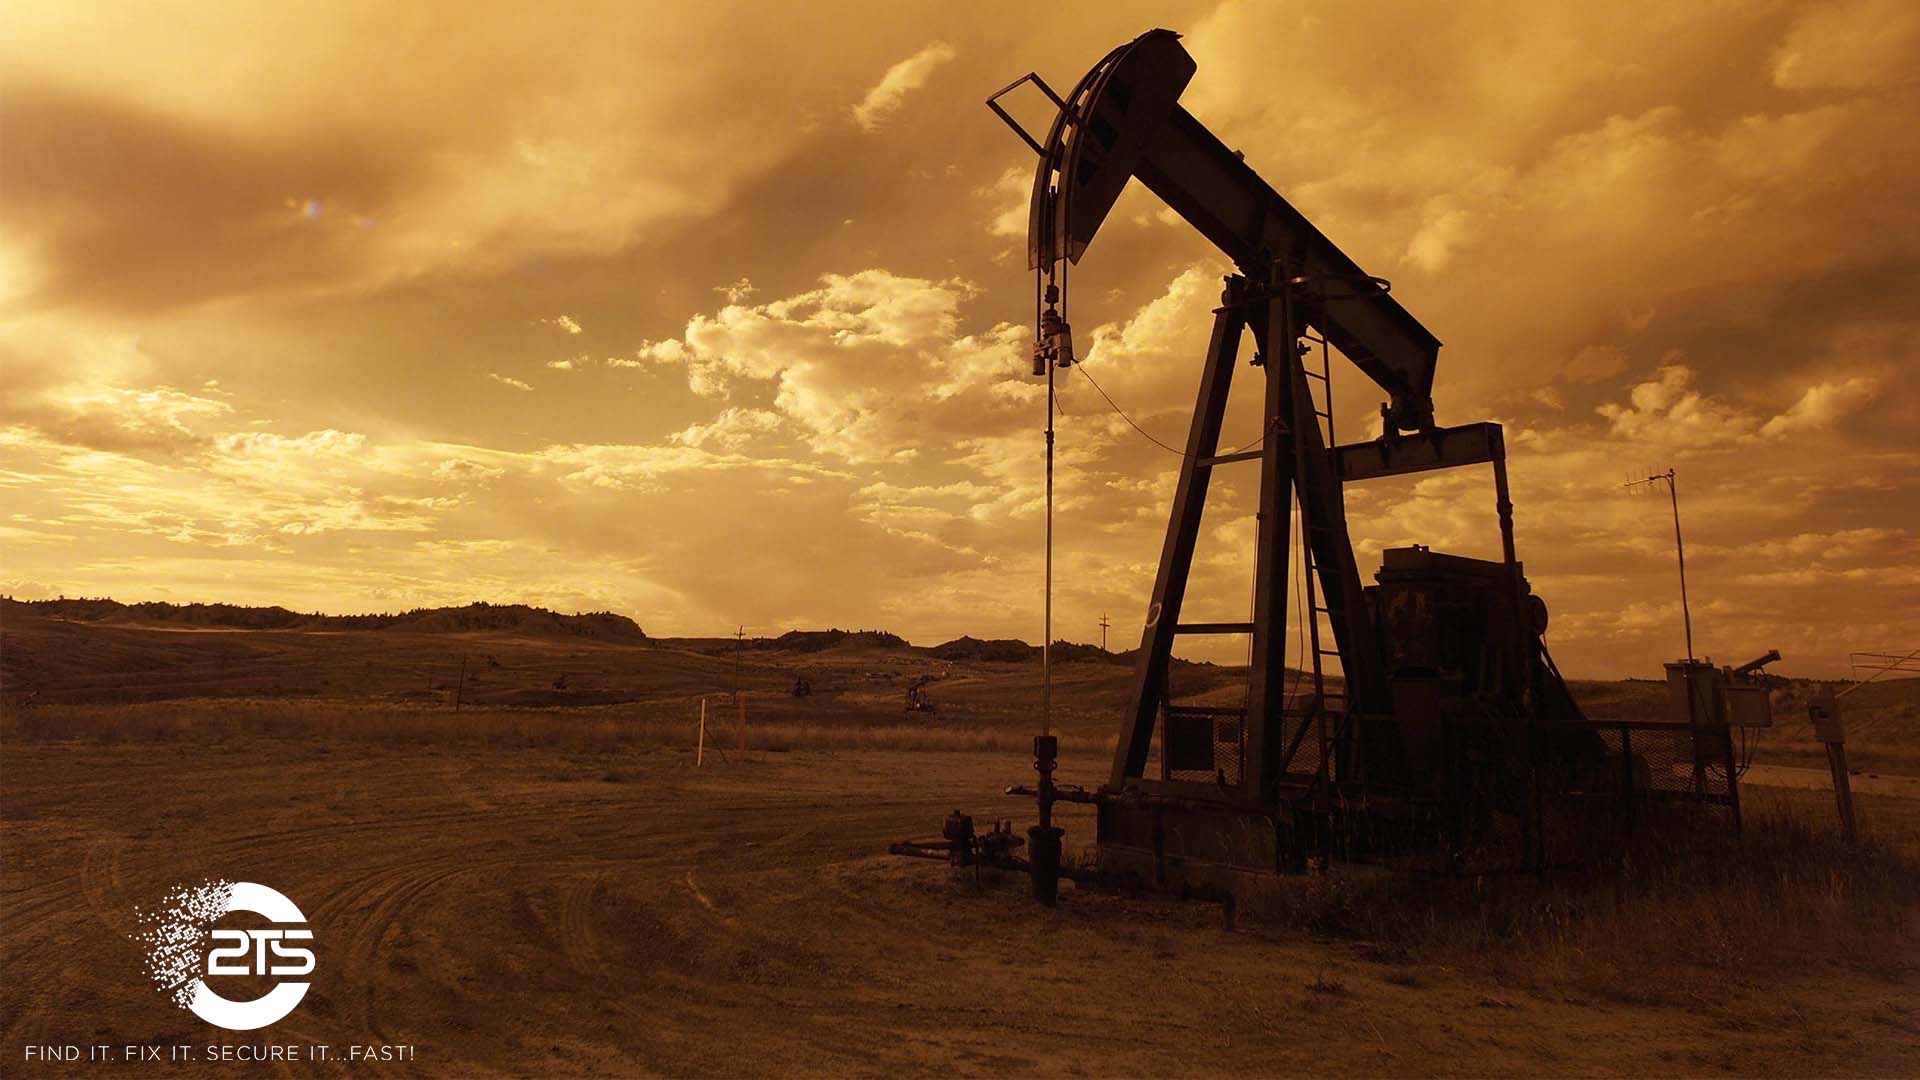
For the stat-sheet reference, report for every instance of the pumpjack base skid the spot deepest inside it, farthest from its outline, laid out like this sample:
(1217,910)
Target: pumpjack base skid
(1199,845)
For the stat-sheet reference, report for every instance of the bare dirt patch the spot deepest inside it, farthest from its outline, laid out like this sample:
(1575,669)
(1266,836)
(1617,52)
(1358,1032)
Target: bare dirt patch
(529,907)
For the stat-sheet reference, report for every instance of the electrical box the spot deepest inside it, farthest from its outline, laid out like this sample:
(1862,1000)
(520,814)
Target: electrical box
(1749,706)
(1705,684)
(1189,742)
(1828,726)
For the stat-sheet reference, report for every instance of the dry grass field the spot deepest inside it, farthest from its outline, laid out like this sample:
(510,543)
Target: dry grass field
(548,890)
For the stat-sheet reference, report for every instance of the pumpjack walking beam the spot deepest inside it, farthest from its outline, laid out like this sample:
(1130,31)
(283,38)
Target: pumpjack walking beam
(1124,120)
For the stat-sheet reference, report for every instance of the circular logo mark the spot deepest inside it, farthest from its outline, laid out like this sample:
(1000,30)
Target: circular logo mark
(179,965)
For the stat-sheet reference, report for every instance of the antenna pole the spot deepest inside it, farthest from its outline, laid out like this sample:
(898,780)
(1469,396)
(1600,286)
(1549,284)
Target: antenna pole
(1680,550)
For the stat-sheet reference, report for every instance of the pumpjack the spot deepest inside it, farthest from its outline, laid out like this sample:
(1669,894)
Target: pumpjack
(1429,706)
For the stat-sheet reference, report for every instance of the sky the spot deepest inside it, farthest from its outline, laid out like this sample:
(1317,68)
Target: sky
(717,314)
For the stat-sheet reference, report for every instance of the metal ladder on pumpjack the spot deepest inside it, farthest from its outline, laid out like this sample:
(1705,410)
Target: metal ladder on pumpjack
(1329,714)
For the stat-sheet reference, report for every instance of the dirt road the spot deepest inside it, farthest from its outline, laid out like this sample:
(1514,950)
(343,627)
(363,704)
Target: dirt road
(520,911)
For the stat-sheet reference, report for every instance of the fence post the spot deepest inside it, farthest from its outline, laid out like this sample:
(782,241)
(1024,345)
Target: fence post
(1733,780)
(1626,775)
(1831,729)
(700,743)
(1842,788)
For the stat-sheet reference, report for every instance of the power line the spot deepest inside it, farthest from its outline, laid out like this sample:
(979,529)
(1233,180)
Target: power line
(1144,433)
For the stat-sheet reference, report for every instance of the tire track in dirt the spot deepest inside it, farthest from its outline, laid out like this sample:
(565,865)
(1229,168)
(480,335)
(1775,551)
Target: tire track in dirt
(724,919)
(713,866)
(580,940)
(36,930)
(41,905)
(380,897)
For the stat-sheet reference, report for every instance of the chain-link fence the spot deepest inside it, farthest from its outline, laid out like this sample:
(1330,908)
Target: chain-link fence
(1499,795)
(1640,778)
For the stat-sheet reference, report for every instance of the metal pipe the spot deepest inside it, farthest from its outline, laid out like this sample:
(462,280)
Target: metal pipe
(1044,839)
(1073,794)
(919,851)
(1046,636)
(1131,799)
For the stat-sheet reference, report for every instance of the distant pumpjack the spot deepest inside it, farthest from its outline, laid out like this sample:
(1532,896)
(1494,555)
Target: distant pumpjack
(918,700)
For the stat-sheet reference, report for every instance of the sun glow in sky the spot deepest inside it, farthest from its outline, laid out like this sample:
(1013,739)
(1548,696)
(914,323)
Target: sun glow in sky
(715,314)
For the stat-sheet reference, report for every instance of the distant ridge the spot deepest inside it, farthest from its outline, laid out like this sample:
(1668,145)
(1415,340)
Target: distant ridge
(534,621)
(481,616)
(820,640)
(1014,651)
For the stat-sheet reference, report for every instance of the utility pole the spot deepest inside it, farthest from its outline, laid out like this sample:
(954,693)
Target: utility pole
(1679,549)
(739,643)
(1103,631)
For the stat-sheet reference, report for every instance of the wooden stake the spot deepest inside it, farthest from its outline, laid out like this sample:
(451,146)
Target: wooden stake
(1842,788)
(700,746)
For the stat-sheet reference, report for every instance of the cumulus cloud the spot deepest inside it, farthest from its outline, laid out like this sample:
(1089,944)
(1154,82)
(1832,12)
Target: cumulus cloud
(1667,411)
(1011,193)
(463,470)
(1821,405)
(260,444)
(1443,230)
(869,366)
(643,468)
(737,290)
(113,417)
(887,95)
(731,430)
(1853,44)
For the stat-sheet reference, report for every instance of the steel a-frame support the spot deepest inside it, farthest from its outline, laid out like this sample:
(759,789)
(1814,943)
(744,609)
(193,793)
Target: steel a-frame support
(1183,531)
(1294,461)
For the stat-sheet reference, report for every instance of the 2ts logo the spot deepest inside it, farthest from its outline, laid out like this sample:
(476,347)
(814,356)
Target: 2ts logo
(179,963)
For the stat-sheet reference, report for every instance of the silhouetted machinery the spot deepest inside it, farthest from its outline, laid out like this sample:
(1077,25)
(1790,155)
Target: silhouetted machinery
(918,700)
(1429,709)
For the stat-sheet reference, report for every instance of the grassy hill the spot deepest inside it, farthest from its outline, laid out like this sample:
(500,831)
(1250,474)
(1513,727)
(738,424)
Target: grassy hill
(103,653)
(98,652)
(512,618)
